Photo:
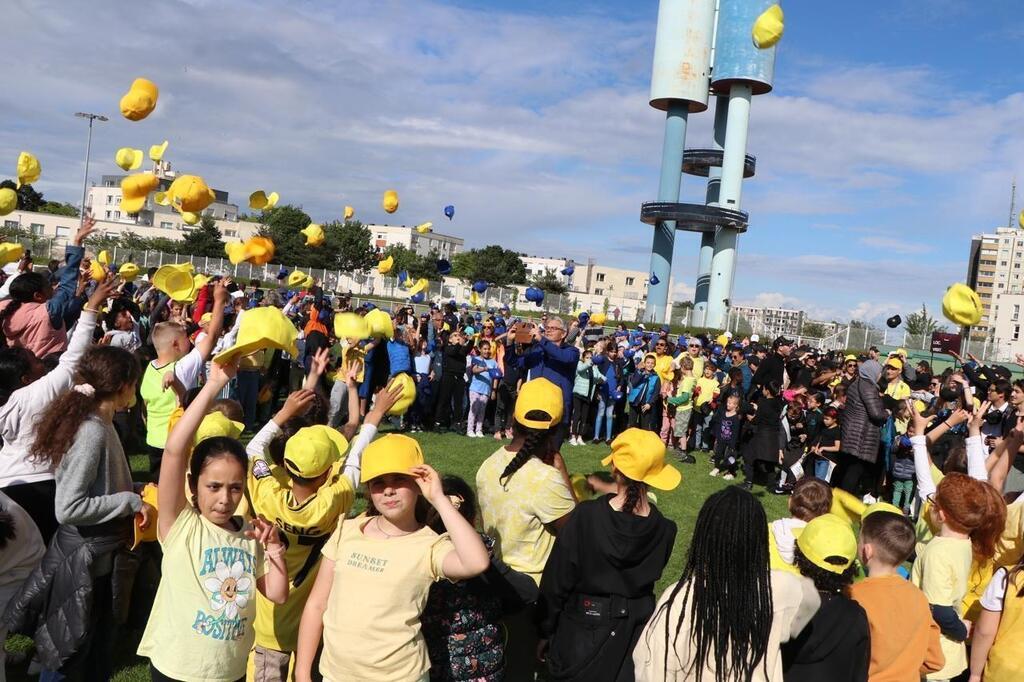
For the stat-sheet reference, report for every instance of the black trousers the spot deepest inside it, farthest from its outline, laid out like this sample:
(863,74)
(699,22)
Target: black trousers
(581,415)
(38,500)
(507,395)
(450,400)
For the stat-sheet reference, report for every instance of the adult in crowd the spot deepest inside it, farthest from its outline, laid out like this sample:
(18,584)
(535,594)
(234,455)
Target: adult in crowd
(862,422)
(548,356)
(771,370)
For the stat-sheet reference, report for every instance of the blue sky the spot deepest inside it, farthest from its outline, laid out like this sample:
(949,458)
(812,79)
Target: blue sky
(891,136)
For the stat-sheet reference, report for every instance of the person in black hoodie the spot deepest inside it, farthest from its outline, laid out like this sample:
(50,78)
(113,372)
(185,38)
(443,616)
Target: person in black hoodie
(836,644)
(448,412)
(597,591)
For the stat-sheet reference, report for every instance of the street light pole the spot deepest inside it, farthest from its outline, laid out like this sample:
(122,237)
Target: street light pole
(88,151)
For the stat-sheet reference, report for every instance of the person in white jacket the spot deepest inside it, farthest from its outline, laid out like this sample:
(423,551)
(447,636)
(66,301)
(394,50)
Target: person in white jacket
(25,479)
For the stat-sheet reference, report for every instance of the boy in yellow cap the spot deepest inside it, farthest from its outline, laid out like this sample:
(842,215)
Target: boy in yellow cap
(175,357)
(305,496)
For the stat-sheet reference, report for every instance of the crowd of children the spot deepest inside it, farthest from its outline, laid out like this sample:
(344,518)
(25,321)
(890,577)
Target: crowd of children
(262,569)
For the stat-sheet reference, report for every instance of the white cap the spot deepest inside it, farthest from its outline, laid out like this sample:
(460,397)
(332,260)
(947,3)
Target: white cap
(641,326)
(728,335)
(754,338)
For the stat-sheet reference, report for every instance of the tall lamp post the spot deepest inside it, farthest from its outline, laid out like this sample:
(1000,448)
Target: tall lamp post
(88,151)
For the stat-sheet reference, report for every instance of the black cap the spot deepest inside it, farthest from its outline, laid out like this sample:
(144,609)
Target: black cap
(1001,372)
(782,341)
(894,321)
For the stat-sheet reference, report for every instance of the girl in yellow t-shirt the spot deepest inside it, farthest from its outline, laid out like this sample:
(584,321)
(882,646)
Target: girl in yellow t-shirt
(200,626)
(377,571)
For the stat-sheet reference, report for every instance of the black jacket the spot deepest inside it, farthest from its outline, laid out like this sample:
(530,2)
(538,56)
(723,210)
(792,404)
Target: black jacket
(863,418)
(55,600)
(597,592)
(835,646)
(772,368)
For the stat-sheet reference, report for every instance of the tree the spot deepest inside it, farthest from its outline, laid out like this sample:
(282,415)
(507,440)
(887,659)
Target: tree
(355,252)
(549,282)
(813,329)
(680,310)
(921,324)
(59,208)
(283,225)
(416,265)
(28,198)
(204,240)
(493,264)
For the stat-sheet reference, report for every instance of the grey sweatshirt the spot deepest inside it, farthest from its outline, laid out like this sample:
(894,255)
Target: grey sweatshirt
(94,482)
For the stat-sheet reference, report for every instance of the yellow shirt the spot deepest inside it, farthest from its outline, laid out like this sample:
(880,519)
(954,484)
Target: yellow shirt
(372,622)
(200,627)
(307,526)
(686,385)
(515,513)
(941,571)
(898,390)
(663,367)
(707,390)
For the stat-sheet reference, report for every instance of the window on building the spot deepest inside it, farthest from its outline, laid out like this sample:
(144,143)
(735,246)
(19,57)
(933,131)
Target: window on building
(629,281)
(110,198)
(64,232)
(600,277)
(1016,311)
(10,223)
(117,201)
(230,233)
(598,292)
(1002,264)
(117,215)
(37,229)
(166,224)
(108,215)
(1016,332)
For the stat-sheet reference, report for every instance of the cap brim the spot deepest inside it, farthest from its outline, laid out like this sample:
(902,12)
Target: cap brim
(240,350)
(606,461)
(666,479)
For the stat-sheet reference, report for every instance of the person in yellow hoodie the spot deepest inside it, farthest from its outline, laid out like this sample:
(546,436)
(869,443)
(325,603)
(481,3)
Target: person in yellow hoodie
(304,497)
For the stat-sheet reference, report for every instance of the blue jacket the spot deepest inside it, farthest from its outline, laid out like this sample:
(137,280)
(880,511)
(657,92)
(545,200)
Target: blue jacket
(553,362)
(612,374)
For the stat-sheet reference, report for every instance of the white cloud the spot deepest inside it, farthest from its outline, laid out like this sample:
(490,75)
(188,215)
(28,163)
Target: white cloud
(896,245)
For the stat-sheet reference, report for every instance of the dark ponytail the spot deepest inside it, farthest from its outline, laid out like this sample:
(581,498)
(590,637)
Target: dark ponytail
(23,289)
(15,366)
(634,492)
(536,444)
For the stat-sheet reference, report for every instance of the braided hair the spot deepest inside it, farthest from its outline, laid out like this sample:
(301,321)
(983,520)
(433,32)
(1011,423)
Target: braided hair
(635,490)
(537,443)
(725,589)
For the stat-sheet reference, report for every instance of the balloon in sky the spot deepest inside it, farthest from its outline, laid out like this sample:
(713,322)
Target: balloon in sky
(479,286)
(449,211)
(568,270)
(654,280)
(444,267)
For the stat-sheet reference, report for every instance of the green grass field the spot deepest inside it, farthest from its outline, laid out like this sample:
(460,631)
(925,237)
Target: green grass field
(457,455)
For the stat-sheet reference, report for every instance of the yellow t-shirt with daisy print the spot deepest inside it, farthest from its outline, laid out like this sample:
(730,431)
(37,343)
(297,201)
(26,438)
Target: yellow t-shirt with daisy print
(201,624)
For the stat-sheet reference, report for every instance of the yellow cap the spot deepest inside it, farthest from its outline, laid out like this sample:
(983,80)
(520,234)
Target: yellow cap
(28,169)
(149,496)
(161,199)
(189,218)
(259,200)
(894,362)
(103,257)
(845,506)
(200,280)
(423,228)
(314,234)
(385,265)
(97,271)
(599,318)
(390,201)
(420,285)
(391,454)
(205,318)
(408,393)
(128,272)
(175,281)
(349,212)
(350,326)
(640,455)
(296,278)
(880,507)
(190,193)
(849,357)
(134,190)
(380,323)
(828,536)
(768,28)
(8,200)
(256,250)
(474,298)
(722,340)
(140,100)
(156,151)
(216,424)
(539,394)
(11,252)
(961,305)
(128,159)
(261,328)
(313,450)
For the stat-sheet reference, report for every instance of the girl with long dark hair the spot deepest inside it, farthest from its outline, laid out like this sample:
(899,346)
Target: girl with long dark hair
(725,619)
(597,592)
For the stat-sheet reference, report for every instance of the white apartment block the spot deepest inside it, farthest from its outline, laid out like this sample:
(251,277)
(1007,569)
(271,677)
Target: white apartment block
(536,266)
(443,245)
(1008,316)
(995,267)
(771,322)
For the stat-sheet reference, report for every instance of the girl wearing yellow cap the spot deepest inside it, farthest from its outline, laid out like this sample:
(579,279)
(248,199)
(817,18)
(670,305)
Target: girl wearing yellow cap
(597,592)
(213,562)
(377,570)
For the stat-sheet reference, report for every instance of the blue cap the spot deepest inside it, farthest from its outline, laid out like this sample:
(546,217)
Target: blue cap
(478,316)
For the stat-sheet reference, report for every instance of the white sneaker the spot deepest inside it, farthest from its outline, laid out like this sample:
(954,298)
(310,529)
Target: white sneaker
(869,499)
(479,434)
(728,477)
(714,472)
(574,441)
(470,434)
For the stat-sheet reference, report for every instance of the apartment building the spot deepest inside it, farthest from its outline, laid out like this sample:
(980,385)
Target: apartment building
(995,267)
(445,246)
(770,322)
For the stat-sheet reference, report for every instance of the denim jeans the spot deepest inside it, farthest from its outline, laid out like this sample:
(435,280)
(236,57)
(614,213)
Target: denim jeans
(605,412)
(821,469)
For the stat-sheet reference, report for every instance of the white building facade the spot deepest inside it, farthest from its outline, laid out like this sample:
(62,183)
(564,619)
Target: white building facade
(443,245)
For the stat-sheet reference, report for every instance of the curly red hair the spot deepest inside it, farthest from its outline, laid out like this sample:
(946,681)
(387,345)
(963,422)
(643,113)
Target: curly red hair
(975,508)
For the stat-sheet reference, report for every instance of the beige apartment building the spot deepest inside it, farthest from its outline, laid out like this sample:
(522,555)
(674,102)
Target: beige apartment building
(445,246)
(995,267)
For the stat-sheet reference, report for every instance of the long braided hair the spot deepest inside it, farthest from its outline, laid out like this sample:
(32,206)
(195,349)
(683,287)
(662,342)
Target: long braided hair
(537,443)
(635,490)
(725,589)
